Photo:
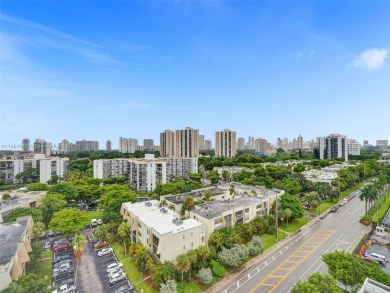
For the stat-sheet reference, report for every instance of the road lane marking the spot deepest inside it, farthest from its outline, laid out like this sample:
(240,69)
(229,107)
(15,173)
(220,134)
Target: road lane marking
(298,250)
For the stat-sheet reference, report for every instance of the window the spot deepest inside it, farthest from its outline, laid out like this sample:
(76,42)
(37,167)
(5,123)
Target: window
(218,221)
(202,239)
(247,210)
(258,206)
(191,234)
(192,243)
(139,224)
(184,236)
(184,247)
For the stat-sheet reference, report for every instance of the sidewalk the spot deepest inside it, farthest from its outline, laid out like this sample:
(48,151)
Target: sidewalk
(261,257)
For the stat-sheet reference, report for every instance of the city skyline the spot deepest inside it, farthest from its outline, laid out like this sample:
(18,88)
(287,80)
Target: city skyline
(101,70)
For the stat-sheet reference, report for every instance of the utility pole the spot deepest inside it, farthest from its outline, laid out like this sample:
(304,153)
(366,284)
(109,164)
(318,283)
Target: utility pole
(276,216)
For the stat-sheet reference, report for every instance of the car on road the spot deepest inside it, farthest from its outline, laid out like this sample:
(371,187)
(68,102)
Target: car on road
(128,288)
(116,278)
(61,258)
(62,273)
(61,247)
(113,266)
(47,245)
(105,251)
(333,209)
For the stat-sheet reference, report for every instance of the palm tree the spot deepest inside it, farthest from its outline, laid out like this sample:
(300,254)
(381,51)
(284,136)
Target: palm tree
(124,232)
(192,257)
(163,203)
(78,246)
(287,213)
(37,230)
(366,194)
(204,254)
(323,190)
(207,195)
(183,264)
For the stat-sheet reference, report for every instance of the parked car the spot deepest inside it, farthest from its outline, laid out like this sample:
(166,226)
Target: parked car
(51,233)
(61,247)
(128,288)
(113,266)
(47,245)
(117,277)
(66,288)
(100,222)
(58,274)
(114,271)
(105,251)
(59,242)
(64,264)
(94,222)
(61,258)
(44,235)
(333,209)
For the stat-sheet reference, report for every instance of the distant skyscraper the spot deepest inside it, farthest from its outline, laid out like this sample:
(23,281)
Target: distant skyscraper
(108,145)
(251,143)
(63,147)
(201,142)
(241,143)
(300,142)
(148,144)
(382,143)
(87,145)
(123,145)
(353,147)
(261,145)
(187,143)
(225,143)
(167,144)
(334,146)
(42,147)
(132,145)
(208,145)
(26,145)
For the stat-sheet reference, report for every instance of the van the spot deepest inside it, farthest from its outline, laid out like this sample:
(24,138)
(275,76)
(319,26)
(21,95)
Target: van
(378,257)
(113,266)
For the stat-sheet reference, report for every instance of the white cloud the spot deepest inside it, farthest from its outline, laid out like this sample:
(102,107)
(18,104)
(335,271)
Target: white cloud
(299,55)
(371,59)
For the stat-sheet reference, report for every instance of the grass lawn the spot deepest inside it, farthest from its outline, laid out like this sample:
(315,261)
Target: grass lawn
(44,267)
(94,215)
(269,240)
(131,270)
(295,225)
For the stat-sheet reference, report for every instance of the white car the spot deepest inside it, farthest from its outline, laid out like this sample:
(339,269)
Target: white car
(114,271)
(114,266)
(100,222)
(117,277)
(105,251)
(64,264)
(66,288)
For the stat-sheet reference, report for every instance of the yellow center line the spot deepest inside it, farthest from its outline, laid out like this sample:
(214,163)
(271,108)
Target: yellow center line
(287,260)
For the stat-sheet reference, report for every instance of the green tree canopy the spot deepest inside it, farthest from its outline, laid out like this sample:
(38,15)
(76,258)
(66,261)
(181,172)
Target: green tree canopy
(291,202)
(67,189)
(51,203)
(69,221)
(21,212)
(27,284)
(317,283)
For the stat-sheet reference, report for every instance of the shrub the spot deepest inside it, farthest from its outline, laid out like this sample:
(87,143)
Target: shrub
(257,241)
(37,187)
(253,249)
(6,196)
(111,237)
(217,268)
(234,256)
(241,250)
(169,287)
(205,275)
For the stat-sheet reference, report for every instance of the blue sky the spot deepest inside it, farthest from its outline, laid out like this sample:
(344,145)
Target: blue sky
(103,69)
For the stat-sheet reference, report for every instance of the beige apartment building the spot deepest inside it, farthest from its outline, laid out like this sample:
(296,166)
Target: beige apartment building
(227,213)
(161,230)
(14,248)
(225,143)
(167,144)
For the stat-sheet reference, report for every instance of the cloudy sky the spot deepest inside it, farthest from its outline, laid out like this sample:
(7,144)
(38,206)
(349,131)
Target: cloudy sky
(103,69)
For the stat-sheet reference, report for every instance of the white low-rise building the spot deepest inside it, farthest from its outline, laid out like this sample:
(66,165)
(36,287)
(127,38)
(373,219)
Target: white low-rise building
(161,230)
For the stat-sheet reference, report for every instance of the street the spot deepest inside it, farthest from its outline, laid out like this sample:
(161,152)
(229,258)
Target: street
(301,256)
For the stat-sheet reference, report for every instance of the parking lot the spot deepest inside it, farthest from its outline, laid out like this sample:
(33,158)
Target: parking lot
(382,250)
(92,274)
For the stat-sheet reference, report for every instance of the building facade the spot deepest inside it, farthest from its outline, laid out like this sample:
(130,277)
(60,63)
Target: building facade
(108,145)
(26,145)
(15,243)
(334,146)
(354,147)
(87,145)
(167,144)
(225,143)
(208,145)
(382,143)
(187,143)
(161,230)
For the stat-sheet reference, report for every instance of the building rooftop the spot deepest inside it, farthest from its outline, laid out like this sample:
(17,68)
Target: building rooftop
(179,198)
(217,208)
(10,235)
(160,219)
(20,198)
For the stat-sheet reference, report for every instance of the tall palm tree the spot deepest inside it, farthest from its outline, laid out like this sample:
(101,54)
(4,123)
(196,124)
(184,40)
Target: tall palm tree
(183,264)
(287,214)
(192,257)
(207,195)
(367,194)
(37,230)
(124,233)
(204,254)
(78,243)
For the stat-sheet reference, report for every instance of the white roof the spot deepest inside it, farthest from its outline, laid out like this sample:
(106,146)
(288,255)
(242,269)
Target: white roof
(152,217)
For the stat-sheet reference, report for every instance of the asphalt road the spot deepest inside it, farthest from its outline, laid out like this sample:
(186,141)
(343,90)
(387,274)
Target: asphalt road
(301,256)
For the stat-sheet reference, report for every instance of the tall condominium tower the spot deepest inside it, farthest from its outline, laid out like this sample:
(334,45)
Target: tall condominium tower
(334,146)
(186,143)
(167,144)
(225,143)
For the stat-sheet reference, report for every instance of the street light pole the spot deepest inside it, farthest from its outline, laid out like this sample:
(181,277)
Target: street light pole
(276,215)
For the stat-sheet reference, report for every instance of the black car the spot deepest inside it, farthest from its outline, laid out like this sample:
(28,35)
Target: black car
(334,209)
(61,258)
(128,288)
(62,273)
